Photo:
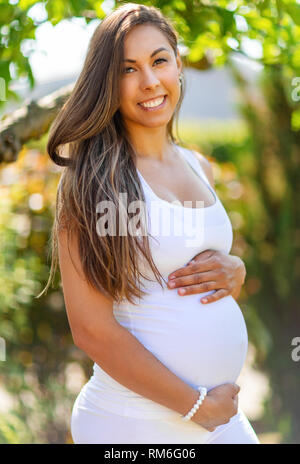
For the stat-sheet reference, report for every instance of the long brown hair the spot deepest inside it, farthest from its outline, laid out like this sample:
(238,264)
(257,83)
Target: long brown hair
(101,160)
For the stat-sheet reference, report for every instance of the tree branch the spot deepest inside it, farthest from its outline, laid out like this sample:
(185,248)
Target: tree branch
(31,121)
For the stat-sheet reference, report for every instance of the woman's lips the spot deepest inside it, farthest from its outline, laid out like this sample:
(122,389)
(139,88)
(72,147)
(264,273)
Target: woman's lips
(156,107)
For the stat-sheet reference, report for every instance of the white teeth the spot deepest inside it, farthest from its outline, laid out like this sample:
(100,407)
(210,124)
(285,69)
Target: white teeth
(153,103)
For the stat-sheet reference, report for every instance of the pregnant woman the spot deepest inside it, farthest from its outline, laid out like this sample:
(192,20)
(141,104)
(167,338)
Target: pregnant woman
(165,363)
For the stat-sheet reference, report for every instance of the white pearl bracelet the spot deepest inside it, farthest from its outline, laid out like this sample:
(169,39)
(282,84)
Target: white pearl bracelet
(203,393)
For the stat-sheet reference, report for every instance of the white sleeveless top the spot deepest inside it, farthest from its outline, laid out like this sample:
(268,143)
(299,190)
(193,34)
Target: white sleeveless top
(202,344)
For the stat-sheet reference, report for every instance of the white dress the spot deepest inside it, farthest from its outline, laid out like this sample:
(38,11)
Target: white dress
(202,344)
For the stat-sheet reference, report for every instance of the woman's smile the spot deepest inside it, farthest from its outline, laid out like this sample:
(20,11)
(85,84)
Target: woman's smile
(154,105)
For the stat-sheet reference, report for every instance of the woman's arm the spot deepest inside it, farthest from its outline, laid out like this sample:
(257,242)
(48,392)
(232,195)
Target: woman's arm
(96,331)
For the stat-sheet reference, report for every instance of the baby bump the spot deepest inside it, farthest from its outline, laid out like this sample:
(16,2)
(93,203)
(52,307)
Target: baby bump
(202,344)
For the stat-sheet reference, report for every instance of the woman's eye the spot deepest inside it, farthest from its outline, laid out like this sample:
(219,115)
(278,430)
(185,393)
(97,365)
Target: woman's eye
(159,59)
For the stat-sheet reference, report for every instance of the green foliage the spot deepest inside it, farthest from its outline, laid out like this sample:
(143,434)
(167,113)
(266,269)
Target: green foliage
(39,345)
(13,430)
(212,31)
(18,28)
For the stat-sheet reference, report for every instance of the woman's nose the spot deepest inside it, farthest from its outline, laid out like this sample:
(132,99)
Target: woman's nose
(149,80)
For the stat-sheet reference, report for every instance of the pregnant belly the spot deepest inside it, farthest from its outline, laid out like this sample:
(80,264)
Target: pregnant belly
(202,344)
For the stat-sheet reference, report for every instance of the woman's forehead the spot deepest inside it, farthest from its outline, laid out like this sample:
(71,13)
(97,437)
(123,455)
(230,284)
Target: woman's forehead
(144,39)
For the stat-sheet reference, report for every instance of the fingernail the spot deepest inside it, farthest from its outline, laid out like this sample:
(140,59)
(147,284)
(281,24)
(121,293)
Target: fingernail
(172,276)
(204,300)
(181,291)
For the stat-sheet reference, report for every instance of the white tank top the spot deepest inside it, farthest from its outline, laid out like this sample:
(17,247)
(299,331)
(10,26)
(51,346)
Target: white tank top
(202,344)
(182,232)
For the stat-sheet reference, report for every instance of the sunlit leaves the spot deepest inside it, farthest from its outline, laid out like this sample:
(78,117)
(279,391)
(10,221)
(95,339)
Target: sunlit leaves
(179,5)
(295,120)
(58,10)
(16,26)
(100,13)
(293,9)
(271,52)
(204,27)
(227,21)
(13,430)
(6,13)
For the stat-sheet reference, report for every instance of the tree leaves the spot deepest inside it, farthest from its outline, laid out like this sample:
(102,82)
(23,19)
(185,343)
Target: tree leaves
(204,27)
(293,9)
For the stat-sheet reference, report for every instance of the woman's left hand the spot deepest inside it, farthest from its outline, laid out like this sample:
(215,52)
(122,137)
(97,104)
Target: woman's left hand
(210,270)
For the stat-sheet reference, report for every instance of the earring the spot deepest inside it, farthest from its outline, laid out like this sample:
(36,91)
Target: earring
(180,79)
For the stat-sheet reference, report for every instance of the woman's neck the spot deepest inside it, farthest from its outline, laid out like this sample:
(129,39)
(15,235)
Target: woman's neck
(151,143)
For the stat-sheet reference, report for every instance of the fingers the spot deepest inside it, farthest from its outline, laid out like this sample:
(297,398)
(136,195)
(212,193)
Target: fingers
(190,268)
(202,257)
(235,390)
(236,402)
(194,283)
(217,295)
(191,276)
(238,388)
(199,288)
(210,429)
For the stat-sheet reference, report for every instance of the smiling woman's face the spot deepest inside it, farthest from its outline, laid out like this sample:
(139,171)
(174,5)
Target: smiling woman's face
(149,77)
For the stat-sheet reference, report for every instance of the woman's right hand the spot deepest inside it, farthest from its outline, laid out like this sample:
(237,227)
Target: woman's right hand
(219,405)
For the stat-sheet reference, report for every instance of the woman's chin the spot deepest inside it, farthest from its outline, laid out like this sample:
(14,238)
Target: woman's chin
(152,122)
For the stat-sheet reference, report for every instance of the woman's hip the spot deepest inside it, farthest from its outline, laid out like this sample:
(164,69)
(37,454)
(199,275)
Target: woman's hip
(91,424)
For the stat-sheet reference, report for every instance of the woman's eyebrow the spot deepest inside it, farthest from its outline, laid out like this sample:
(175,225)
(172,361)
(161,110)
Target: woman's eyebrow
(152,54)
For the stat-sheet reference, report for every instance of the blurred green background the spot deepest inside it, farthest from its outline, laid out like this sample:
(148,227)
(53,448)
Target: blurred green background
(255,160)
